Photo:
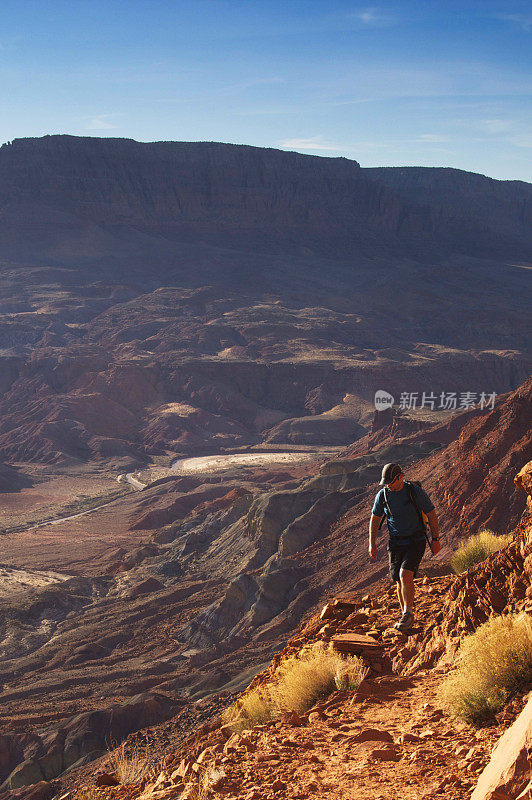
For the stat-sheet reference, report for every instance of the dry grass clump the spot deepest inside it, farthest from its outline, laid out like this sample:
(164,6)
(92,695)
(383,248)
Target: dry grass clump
(476,549)
(255,708)
(129,766)
(89,793)
(301,680)
(492,664)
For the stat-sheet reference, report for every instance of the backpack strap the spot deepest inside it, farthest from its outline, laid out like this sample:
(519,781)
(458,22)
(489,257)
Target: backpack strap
(387,512)
(412,497)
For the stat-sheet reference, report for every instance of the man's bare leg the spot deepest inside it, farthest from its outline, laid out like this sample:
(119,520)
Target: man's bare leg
(407,588)
(400,596)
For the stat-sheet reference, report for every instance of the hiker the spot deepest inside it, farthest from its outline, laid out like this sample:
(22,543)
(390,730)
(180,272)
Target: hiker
(404,504)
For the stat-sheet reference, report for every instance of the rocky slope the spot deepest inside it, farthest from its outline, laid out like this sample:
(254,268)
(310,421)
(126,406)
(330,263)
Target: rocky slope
(191,586)
(392,733)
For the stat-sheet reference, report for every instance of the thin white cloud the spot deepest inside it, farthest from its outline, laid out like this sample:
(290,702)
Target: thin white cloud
(522,140)
(312,143)
(315,144)
(432,138)
(101,123)
(374,17)
(523,20)
(350,81)
(497,125)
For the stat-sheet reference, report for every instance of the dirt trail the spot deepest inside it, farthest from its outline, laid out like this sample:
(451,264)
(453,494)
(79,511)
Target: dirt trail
(391,739)
(424,757)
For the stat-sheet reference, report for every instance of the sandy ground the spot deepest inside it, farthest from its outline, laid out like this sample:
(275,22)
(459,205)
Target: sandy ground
(51,496)
(11,580)
(84,545)
(223,463)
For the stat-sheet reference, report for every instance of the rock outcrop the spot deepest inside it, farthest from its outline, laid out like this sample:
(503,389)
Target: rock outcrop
(508,772)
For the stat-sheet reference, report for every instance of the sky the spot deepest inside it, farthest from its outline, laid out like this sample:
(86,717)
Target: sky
(439,83)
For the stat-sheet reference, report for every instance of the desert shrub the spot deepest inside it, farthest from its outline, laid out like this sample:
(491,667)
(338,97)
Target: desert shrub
(492,664)
(129,766)
(300,680)
(89,793)
(476,549)
(309,675)
(350,673)
(253,708)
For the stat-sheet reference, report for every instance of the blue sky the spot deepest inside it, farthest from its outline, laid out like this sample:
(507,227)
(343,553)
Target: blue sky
(413,83)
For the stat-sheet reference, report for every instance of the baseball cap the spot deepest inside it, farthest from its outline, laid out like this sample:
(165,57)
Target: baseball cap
(389,473)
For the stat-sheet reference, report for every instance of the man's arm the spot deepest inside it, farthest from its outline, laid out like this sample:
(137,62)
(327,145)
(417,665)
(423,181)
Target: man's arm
(434,529)
(374,524)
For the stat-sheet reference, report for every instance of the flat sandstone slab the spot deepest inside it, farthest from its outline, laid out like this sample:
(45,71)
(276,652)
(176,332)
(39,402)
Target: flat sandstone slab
(355,643)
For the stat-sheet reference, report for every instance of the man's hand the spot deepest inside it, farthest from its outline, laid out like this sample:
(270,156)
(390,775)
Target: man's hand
(435,545)
(374,524)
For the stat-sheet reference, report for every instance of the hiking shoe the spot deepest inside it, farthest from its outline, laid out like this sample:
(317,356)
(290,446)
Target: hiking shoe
(406,621)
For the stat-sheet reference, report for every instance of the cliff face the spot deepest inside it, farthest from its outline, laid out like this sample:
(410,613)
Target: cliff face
(504,207)
(96,190)
(64,197)
(474,483)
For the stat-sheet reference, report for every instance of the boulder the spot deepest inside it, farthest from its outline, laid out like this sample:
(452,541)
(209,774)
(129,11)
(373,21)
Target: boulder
(523,479)
(508,772)
(371,735)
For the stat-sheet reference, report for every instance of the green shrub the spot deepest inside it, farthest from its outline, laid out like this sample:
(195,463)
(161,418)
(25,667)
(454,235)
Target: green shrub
(492,664)
(476,549)
(300,680)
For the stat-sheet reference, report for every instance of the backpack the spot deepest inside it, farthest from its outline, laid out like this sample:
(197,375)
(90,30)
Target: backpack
(423,519)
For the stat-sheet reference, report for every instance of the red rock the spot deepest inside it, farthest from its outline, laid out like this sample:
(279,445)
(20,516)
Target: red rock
(106,779)
(316,716)
(218,779)
(355,643)
(232,743)
(227,730)
(408,737)
(371,735)
(384,754)
(292,718)
(523,479)
(508,771)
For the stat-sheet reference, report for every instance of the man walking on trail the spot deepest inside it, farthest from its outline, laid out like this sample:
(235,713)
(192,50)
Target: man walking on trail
(404,504)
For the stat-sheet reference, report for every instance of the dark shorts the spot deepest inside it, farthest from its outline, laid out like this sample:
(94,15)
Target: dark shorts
(405,557)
